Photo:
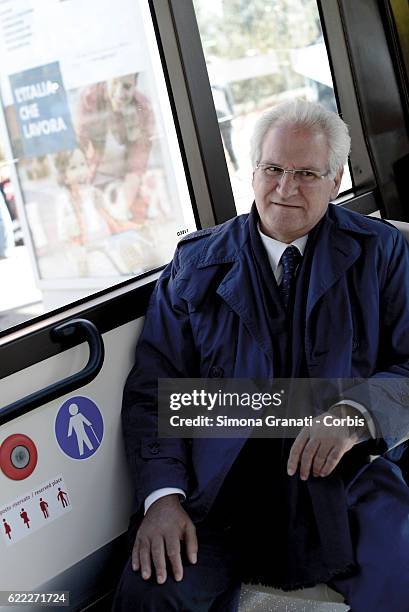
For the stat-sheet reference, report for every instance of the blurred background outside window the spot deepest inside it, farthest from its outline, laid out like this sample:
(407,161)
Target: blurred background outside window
(258,54)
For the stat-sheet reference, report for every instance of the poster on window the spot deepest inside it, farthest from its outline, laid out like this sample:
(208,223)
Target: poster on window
(99,177)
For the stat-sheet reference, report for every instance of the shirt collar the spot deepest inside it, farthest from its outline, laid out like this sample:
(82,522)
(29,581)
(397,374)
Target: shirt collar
(275,248)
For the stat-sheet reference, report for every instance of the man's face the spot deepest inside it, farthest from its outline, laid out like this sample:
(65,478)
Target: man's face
(287,207)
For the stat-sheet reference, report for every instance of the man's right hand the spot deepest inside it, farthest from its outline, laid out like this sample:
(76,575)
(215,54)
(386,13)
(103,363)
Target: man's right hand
(164,526)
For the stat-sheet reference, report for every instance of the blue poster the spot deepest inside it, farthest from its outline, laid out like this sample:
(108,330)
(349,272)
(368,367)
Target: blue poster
(79,427)
(42,110)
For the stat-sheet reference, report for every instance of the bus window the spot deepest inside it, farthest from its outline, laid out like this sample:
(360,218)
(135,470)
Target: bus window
(259,54)
(89,152)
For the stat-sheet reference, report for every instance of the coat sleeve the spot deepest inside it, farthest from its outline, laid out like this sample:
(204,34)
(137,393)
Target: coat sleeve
(165,350)
(386,393)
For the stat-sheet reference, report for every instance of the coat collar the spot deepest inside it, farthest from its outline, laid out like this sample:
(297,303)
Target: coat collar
(338,246)
(226,241)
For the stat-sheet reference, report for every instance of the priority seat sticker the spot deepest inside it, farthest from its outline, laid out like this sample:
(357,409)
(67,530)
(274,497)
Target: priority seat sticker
(79,427)
(34,510)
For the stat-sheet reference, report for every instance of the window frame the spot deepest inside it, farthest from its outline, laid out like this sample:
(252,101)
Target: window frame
(377,135)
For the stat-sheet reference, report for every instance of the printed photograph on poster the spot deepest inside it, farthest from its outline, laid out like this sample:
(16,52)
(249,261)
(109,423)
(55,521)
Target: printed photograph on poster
(98,195)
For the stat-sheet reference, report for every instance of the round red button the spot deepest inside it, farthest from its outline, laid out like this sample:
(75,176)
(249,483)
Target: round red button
(18,456)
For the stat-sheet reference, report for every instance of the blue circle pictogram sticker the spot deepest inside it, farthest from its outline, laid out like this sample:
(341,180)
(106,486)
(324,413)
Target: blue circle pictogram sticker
(79,427)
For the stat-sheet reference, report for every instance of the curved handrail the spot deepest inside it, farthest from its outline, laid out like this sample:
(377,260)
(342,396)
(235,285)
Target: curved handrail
(64,331)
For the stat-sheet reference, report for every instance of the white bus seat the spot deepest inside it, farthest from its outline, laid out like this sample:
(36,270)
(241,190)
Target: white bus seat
(320,592)
(402,226)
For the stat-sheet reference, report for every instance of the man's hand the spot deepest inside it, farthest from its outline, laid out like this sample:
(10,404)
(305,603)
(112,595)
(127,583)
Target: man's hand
(163,527)
(321,447)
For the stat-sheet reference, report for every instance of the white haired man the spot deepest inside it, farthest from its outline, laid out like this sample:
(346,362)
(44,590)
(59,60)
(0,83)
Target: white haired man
(299,288)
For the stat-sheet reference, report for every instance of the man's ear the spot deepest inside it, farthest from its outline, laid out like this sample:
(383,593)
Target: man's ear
(336,183)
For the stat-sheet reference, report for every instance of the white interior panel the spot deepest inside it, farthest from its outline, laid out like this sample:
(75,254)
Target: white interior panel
(99,489)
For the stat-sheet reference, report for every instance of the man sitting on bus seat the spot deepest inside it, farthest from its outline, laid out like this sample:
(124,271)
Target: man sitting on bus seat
(298,288)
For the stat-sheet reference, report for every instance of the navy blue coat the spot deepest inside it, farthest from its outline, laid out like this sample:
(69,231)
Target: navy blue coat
(205,319)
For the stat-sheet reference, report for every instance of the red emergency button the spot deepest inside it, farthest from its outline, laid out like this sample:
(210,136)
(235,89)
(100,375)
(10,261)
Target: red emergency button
(18,456)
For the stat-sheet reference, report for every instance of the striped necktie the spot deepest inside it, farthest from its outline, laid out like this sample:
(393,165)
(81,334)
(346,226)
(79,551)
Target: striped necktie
(289,260)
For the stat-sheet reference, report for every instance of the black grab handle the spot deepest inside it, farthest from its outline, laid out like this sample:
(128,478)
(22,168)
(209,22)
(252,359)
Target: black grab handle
(64,332)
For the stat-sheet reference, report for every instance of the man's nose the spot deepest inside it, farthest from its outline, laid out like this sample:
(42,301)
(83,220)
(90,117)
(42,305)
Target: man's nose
(287,185)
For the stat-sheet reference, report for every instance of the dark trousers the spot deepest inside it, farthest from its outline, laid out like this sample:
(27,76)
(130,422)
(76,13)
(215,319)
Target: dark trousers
(379,505)
(211,585)
(378,500)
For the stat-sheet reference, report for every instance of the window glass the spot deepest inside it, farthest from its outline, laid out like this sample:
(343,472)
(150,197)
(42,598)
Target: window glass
(258,54)
(93,186)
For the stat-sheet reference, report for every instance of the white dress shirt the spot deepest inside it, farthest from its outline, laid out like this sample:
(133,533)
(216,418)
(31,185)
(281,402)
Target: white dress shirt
(275,249)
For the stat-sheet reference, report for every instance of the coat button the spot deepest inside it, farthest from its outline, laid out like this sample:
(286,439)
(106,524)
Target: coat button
(355,344)
(154,448)
(404,398)
(216,372)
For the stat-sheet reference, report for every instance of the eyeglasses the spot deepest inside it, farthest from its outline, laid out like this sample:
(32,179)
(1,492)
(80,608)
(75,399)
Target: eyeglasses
(276,173)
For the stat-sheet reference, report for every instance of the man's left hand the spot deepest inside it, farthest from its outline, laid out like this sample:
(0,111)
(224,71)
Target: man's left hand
(320,448)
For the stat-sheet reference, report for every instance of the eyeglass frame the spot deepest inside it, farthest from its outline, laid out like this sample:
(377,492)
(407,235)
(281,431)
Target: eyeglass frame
(293,171)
